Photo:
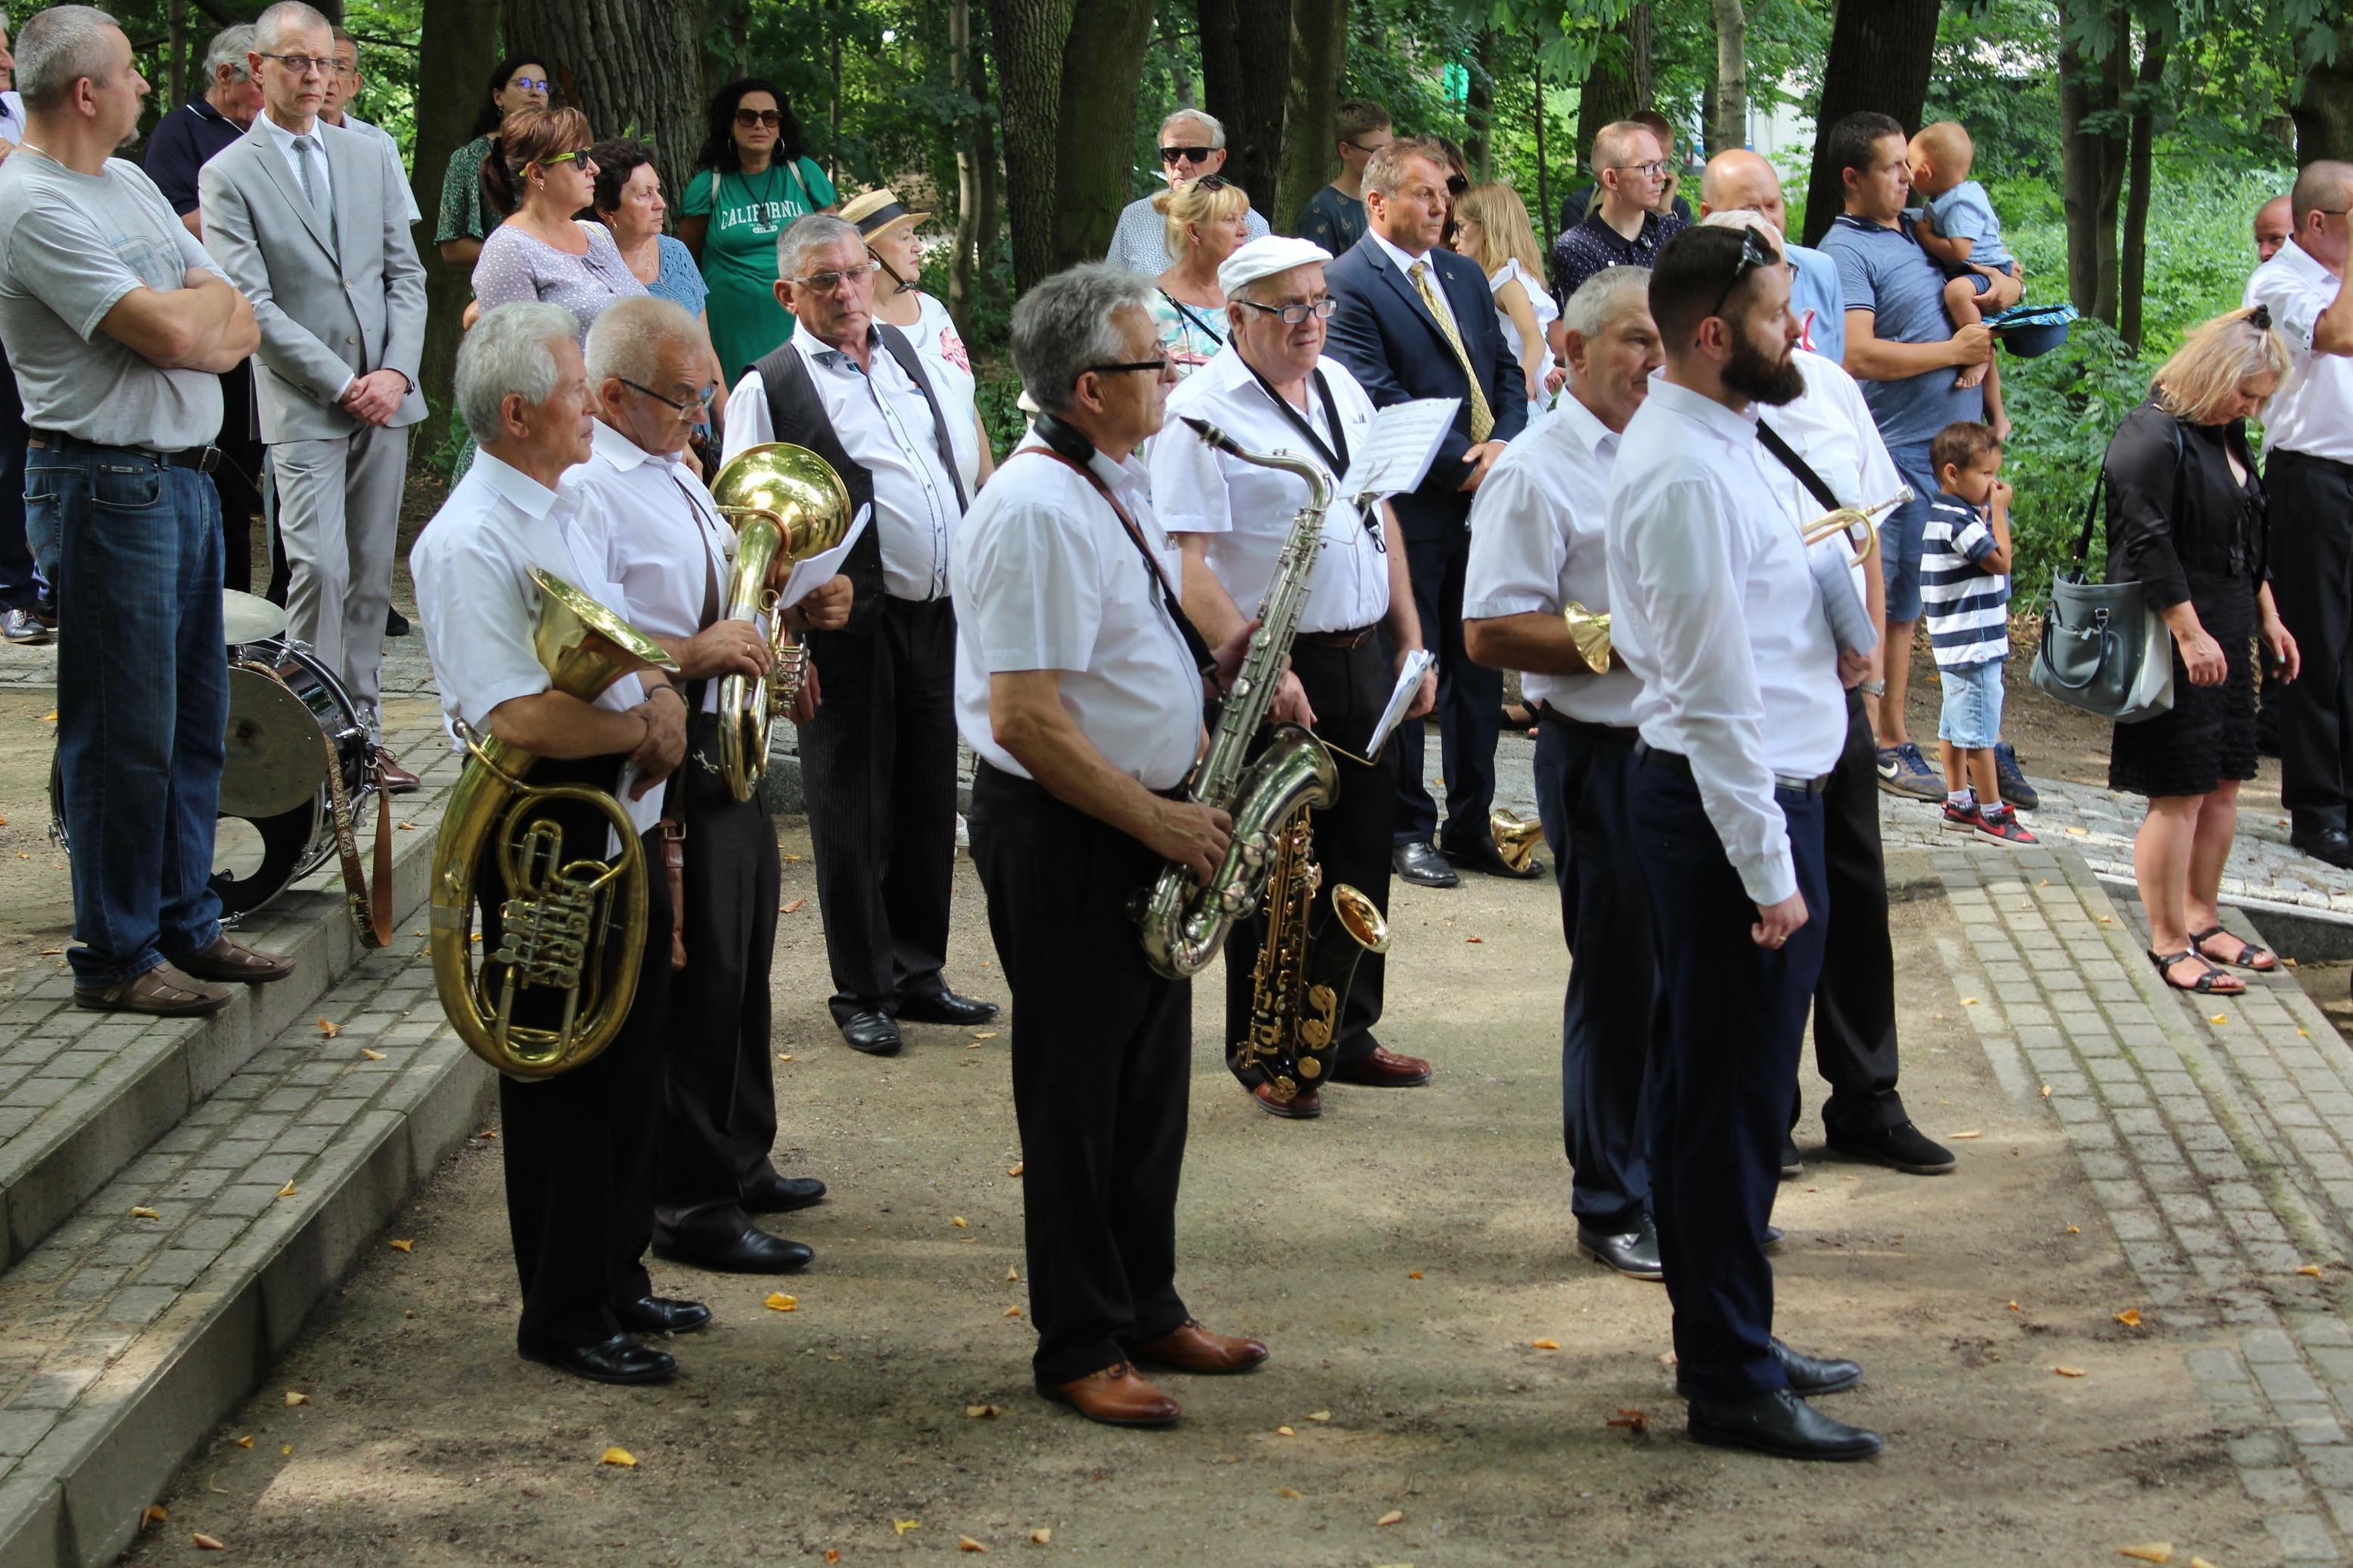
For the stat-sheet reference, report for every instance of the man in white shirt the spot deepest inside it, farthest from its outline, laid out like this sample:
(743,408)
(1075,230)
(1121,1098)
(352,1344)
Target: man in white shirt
(2308,472)
(1272,390)
(1192,146)
(879,758)
(668,548)
(344,87)
(1536,548)
(1716,611)
(1079,687)
(578,1146)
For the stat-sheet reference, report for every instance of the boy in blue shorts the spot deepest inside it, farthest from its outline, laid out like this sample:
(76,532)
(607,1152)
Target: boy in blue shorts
(1960,231)
(1965,558)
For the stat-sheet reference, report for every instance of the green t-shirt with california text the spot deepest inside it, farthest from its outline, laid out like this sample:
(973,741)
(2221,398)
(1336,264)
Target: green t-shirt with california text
(747,213)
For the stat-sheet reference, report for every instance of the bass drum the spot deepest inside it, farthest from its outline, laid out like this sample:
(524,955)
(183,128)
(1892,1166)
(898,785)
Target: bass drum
(277,810)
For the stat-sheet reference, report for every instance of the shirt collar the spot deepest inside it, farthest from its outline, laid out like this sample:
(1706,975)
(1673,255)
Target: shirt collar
(513,486)
(1597,439)
(2299,260)
(285,138)
(1602,226)
(204,111)
(815,348)
(1738,429)
(1405,263)
(624,454)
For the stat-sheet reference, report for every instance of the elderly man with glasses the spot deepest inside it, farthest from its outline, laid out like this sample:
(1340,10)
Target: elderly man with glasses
(1192,145)
(879,756)
(1625,228)
(344,84)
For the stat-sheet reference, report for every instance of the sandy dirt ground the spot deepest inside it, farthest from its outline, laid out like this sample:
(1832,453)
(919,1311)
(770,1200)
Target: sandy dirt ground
(1402,1255)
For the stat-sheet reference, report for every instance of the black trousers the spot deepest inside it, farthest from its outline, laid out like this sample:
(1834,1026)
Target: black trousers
(1470,706)
(1349,687)
(2312,580)
(1101,1071)
(580,1147)
(720,1098)
(1732,1019)
(1854,1003)
(238,477)
(878,772)
(1611,1005)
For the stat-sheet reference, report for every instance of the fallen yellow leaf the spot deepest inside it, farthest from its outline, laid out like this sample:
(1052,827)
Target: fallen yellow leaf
(1632,1422)
(2015,1307)
(2200,1562)
(1474,938)
(1969,1001)
(1285,1432)
(329,1027)
(779,1302)
(1415,1275)
(620,1457)
(144,1213)
(1544,1345)
(2064,1371)
(293,1398)
(1018,1167)
(285,1447)
(1319,1415)
(246,1441)
(2312,1269)
(1394,1516)
(983,1412)
(2046,1091)
(832,1554)
(1040,1536)
(47,952)
(959,1222)
(900,1525)
(2155,1552)
(2081,832)
(374,1056)
(1667,1358)
(1012,1312)
(401,1244)
(794,908)
(967,1544)
(1971,1133)
(985,1035)
(152,1515)
(287,1190)
(1012,1275)
(1292,1492)
(208,1543)
(2130,1317)
(785,1056)
(2220,1018)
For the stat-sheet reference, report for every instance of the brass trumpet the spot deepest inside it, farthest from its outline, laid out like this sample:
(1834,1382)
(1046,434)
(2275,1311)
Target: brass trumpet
(787,505)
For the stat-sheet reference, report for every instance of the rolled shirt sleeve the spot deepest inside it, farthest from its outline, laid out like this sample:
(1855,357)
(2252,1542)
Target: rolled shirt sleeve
(1033,593)
(1516,554)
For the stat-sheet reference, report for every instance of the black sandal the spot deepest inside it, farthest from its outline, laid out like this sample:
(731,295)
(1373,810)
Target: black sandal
(2206,985)
(2248,952)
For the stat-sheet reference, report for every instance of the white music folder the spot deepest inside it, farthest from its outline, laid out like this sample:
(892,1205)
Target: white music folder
(1397,450)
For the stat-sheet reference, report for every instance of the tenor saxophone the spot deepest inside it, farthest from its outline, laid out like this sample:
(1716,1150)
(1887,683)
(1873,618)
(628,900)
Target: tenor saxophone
(1300,986)
(1185,922)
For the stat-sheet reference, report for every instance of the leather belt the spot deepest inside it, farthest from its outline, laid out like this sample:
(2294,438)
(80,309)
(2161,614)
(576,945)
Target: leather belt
(203,459)
(1356,638)
(1676,762)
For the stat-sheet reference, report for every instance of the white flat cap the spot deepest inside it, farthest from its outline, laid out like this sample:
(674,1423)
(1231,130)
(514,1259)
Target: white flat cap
(1266,256)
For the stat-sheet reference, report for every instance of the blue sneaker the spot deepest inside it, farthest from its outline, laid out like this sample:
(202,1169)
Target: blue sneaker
(1904,771)
(2015,790)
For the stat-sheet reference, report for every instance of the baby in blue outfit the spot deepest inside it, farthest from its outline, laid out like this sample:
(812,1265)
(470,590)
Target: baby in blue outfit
(1961,232)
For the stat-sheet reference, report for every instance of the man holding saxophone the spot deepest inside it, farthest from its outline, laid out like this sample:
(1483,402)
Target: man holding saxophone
(1078,685)
(1271,389)
(666,548)
(579,1144)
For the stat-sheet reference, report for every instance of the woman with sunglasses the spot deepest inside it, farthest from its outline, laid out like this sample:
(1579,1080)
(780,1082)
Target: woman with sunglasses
(1208,220)
(751,180)
(520,82)
(630,203)
(889,229)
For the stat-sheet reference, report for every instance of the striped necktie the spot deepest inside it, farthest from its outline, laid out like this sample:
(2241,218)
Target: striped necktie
(1482,419)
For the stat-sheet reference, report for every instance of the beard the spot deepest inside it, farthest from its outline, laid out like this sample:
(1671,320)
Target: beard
(1762,379)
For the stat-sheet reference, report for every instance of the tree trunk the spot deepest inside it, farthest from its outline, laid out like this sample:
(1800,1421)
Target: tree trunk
(459,42)
(726,43)
(179,78)
(1880,54)
(1544,175)
(1479,111)
(1620,83)
(2115,158)
(1182,86)
(1728,125)
(1245,77)
(633,67)
(2134,267)
(2323,109)
(1101,65)
(2094,151)
(1027,36)
(976,169)
(1319,61)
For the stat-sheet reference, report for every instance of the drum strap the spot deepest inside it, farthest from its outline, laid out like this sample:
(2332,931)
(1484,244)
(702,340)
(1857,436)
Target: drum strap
(371,914)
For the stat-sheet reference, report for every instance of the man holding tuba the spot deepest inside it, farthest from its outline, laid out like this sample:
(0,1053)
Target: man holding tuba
(1272,388)
(667,549)
(579,1144)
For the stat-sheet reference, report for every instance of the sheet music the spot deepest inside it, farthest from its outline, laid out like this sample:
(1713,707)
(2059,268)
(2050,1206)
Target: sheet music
(1418,664)
(1397,451)
(818,569)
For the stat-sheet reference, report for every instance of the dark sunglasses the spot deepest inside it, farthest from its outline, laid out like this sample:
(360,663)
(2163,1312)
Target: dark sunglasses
(748,118)
(578,155)
(1190,154)
(1456,185)
(1752,255)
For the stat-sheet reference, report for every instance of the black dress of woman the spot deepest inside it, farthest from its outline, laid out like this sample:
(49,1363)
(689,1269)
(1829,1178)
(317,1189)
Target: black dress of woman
(2185,527)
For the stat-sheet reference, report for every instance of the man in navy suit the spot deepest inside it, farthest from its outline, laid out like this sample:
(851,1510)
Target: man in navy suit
(1414,321)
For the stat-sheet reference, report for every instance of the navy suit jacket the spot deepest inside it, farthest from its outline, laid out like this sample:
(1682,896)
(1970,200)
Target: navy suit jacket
(1397,350)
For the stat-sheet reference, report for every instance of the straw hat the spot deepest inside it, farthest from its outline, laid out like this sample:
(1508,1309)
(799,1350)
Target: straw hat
(878,212)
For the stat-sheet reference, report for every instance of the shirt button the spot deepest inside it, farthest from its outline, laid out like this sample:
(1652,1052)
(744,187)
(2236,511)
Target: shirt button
(354,338)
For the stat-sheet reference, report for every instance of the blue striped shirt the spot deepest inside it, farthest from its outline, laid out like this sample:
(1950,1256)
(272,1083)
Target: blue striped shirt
(1967,607)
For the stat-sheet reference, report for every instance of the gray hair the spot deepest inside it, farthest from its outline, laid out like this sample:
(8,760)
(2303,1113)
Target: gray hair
(58,47)
(627,339)
(508,352)
(1752,220)
(1596,302)
(270,28)
(1069,322)
(1385,171)
(810,233)
(226,52)
(1207,123)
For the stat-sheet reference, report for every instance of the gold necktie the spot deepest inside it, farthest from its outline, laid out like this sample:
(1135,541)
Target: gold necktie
(1482,419)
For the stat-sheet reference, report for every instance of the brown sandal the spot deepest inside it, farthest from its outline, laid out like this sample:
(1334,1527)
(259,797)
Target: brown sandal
(161,990)
(2248,952)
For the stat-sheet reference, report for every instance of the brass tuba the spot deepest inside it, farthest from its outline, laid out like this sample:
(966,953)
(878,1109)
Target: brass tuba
(1516,837)
(786,504)
(558,914)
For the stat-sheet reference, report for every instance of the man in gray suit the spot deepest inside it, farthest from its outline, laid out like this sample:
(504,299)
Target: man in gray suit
(312,223)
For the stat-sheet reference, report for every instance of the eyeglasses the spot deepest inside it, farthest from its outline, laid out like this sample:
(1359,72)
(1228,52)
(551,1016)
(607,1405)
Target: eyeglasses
(748,118)
(1156,366)
(1656,169)
(1190,154)
(303,65)
(827,282)
(578,155)
(1360,147)
(1298,311)
(342,69)
(1752,255)
(700,400)
(528,84)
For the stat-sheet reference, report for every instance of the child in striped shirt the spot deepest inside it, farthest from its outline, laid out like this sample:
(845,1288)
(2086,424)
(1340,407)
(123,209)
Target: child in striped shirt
(1965,597)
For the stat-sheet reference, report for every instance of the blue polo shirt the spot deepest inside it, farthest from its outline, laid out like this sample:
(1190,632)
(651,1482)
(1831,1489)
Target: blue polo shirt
(182,143)
(1818,301)
(1884,270)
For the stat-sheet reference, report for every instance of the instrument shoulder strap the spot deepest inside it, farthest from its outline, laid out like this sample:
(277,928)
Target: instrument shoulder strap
(371,910)
(1195,644)
(1774,443)
(1334,452)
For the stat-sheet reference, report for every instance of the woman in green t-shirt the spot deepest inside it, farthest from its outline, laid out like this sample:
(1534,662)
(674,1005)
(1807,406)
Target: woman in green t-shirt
(750,182)
(519,81)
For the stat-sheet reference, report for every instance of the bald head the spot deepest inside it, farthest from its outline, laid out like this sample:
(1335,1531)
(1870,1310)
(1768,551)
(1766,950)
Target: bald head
(2323,192)
(2274,221)
(1740,178)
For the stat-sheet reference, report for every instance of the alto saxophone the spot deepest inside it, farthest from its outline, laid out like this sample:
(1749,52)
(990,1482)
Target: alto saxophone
(1300,986)
(1184,922)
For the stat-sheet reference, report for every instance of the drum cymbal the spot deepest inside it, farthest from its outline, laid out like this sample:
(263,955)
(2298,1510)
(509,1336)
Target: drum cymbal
(250,617)
(277,757)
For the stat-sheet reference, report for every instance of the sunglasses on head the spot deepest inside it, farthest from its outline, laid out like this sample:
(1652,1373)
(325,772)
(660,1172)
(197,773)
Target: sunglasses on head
(1189,154)
(1752,253)
(1209,182)
(748,118)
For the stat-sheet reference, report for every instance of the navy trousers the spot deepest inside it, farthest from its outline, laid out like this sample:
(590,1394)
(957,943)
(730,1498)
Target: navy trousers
(1732,1019)
(1470,706)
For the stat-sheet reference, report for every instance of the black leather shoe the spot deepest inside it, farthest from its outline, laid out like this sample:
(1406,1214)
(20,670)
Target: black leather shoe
(769,1193)
(1634,1253)
(1792,1162)
(662,1315)
(872,1031)
(944,1006)
(1483,855)
(750,1250)
(395,625)
(1903,1146)
(1422,866)
(617,1359)
(1782,1425)
(1807,1376)
(2325,844)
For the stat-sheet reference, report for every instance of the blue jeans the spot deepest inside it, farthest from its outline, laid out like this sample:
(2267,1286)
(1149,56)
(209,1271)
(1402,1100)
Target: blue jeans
(133,547)
(1900,532)
(20,586)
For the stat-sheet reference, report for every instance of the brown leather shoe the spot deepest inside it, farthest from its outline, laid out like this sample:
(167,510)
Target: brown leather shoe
(1193,1348)
(230,960)
(163,991)
(1300,1106)
(1384,1069)
(1117,1396)
(397,780)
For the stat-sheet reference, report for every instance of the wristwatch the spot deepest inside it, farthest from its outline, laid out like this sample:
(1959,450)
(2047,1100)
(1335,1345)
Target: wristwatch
(1873,689)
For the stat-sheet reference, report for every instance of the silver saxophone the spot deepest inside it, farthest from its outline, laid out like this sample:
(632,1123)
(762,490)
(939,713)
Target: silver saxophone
(1185,922)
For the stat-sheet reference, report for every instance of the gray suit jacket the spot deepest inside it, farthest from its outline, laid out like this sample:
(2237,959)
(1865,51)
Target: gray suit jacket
(330,305)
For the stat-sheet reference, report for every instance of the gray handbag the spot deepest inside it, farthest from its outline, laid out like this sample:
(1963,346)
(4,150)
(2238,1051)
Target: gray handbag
(2103,649)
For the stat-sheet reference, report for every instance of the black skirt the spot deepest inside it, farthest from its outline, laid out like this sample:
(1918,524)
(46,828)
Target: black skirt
(2210,734)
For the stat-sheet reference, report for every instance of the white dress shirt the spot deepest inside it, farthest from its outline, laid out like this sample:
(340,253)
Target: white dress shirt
(12,117)
(1714,609)
(883,422)
(1831,428)
(2313,414)
(1246,509)
(1047,578)
(665,543)
(1536,542)
(378,134)
(476,601)
(1406,264)
(316,156)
